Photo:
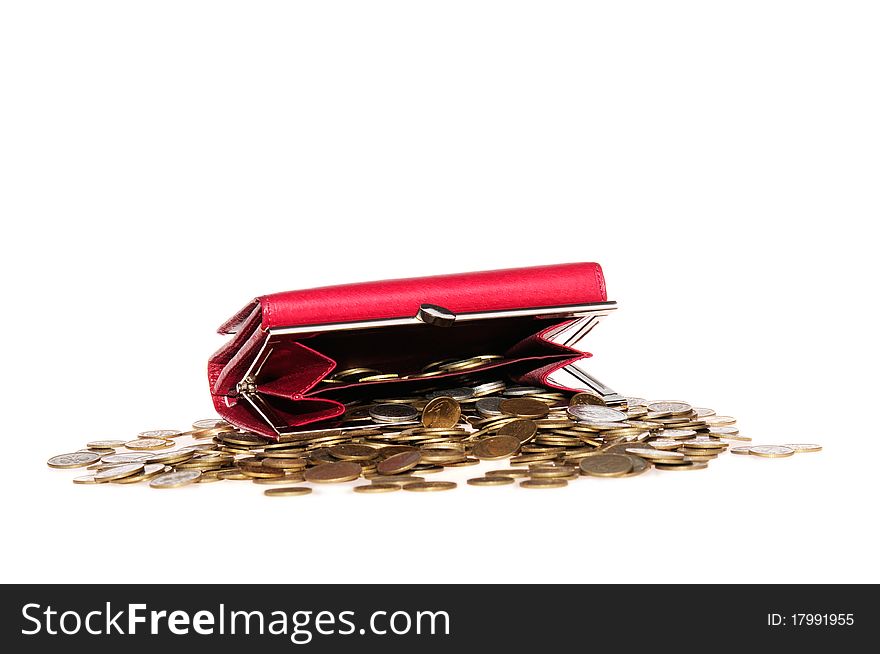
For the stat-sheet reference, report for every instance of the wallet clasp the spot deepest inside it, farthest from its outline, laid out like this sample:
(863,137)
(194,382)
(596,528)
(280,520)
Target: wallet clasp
(431,314)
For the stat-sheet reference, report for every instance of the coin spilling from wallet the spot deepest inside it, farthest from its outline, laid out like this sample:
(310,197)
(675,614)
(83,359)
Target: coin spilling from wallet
(538,438)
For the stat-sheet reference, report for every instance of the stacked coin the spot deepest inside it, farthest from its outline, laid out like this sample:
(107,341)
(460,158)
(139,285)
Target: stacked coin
(547,437)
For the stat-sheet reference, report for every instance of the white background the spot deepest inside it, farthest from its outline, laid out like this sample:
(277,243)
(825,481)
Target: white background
(162,163)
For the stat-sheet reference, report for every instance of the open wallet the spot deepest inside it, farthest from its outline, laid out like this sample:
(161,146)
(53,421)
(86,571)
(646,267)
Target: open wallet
(275,375)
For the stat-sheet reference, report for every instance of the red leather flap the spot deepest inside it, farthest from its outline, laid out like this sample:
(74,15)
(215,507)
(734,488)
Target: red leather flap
(496,290)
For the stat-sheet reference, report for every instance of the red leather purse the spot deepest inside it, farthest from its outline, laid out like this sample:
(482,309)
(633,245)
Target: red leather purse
(268,377)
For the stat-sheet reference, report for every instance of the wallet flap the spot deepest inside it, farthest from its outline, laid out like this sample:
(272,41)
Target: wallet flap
(496,290)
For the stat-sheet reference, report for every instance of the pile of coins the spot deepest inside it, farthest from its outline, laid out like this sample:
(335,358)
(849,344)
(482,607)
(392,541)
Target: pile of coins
(547,437)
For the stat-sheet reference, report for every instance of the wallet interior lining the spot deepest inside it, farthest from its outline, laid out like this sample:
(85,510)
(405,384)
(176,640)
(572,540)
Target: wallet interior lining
(407,349)
(503,370)
(293,364)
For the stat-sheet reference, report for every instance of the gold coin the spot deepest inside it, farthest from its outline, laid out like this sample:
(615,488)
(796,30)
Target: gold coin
(523,459)
(284,464)
(543,483)
(492,480)
(287,491)
(244,438)
(524,407)
(331,473)
(390,450)
(148,444)
(587,398)
(235,475)
(283,479)
(436,364)
(718,421)
(397,463)
(117,472)
(377,488)
(688,466)
(86,479)
(509,472)
(395,479)
(522,430)
(496,447)
(467,364)
(639,465)
(463,463)
(352,373)
(428,469)
(103,445)
(702,443)
(210,423)
(354,452)
(430,486)
(606,465)
(550,472)
(372,378)
(441,412)
(172,457)
(741,450)
(150,470)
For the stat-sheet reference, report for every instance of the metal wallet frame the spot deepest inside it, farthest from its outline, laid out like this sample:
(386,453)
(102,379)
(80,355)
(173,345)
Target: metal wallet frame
(586,316)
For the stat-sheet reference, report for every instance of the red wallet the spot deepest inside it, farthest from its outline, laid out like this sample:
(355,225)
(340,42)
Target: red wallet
(267,378)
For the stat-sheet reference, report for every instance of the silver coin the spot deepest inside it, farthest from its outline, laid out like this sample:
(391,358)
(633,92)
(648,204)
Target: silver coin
(771,450)
(517,391)
(803,447)
(635,401)
(457,394)
(703,412)
(125,457)
(488,388)
(678,434)
(665,444)
(175,479)
(159,433)
(724,431)
(489,407)
(150,470)
(73,460)
(198,447)
(741,450)
(118,472)
(701,439)
(105,445)
(592,413)
(669,407)
(393,413)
